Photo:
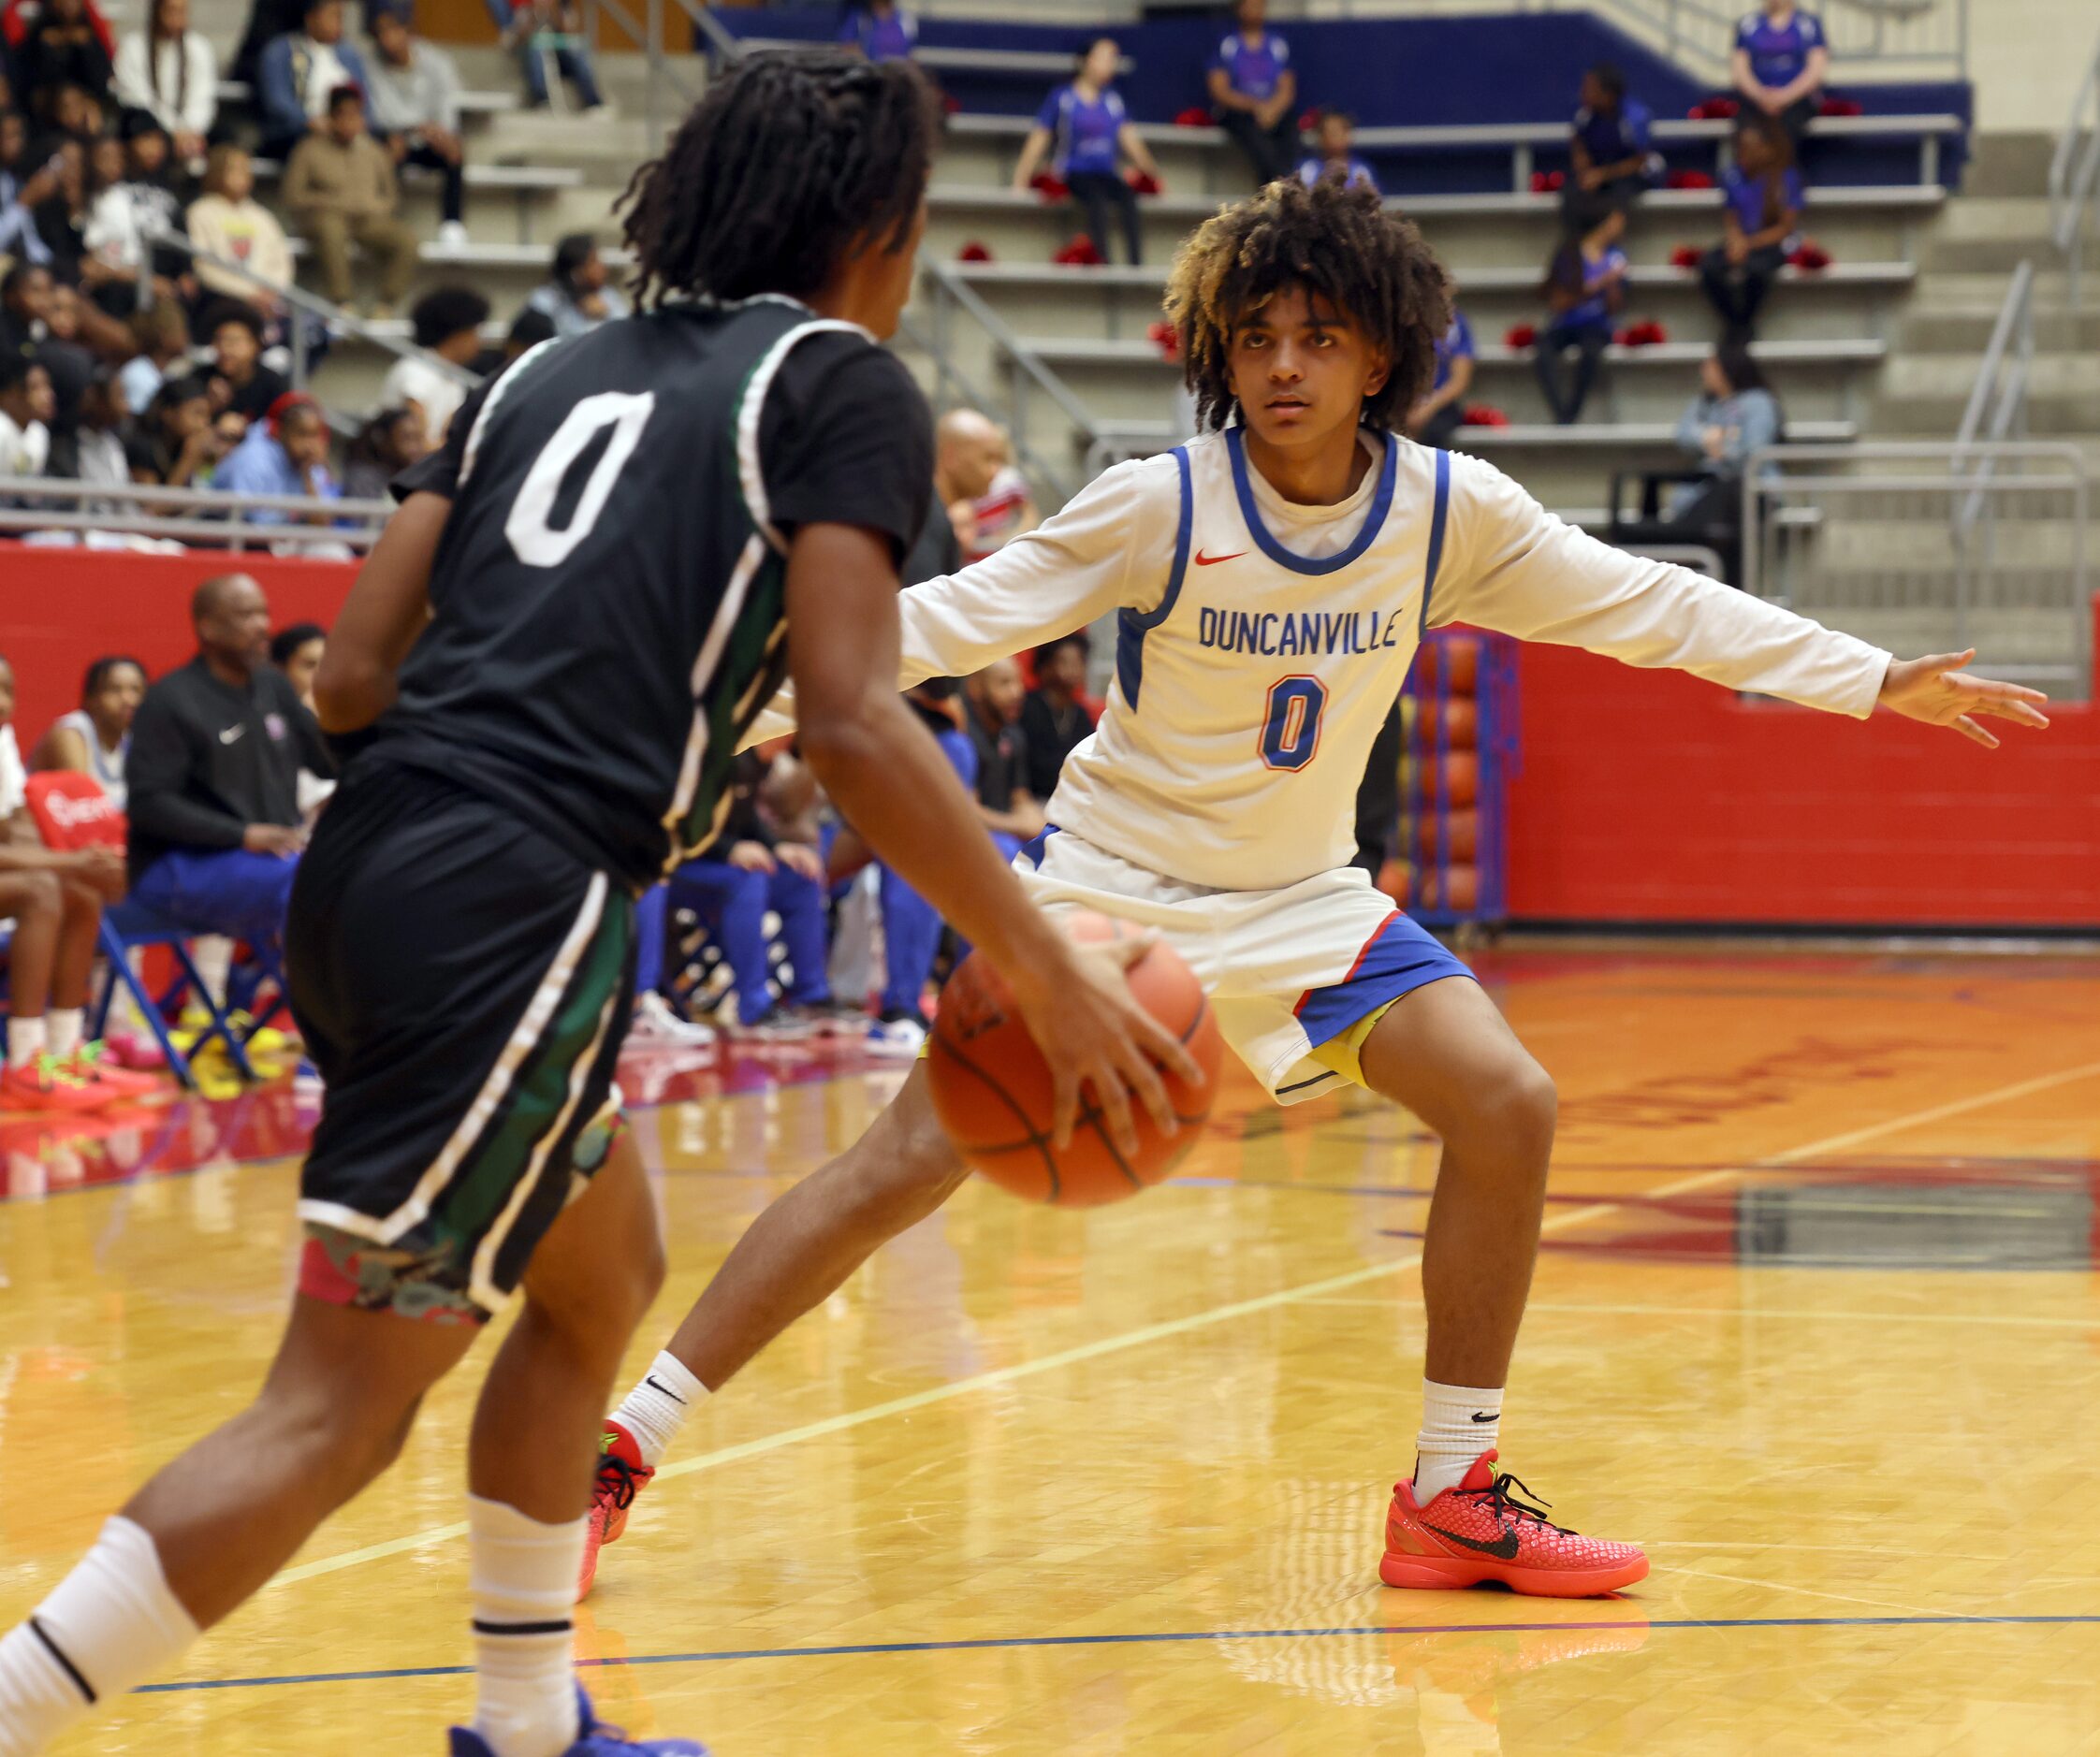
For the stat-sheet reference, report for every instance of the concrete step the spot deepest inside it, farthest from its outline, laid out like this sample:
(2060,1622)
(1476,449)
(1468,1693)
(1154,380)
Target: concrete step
(1968,332)
(2007,163)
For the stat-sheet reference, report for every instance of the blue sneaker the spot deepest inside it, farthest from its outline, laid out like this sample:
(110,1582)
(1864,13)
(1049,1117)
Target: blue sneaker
(597,1739)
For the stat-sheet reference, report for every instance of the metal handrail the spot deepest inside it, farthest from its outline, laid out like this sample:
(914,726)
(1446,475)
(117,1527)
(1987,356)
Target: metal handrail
(2073,174)
(1997,407)
(212,516)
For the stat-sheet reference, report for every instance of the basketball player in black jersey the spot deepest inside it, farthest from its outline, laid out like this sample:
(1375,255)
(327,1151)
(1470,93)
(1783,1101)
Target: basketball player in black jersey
(630,539)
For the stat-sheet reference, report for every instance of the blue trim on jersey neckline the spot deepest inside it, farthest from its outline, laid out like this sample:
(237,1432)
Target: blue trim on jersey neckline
(1436,514)
(1132,627)
(1374,521)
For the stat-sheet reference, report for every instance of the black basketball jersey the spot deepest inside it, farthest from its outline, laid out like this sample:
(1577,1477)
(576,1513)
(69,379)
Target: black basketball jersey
(607,600)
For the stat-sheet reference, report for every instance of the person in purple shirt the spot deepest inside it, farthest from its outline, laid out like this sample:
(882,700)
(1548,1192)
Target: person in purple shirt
(1334,135)
(1255,93)
(1762,193)
(1779,63)
(1436,419)
(1612,163)
(882,30)
(1086,133)
(1585,286)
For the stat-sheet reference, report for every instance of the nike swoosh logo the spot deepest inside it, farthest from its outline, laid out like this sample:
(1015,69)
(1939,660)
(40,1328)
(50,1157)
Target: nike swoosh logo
(1478,1416)
(1211,561)
(232,734)
(1504,1549)
(667,1391)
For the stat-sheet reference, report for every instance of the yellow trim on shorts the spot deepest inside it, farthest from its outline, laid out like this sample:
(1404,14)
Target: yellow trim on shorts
(1345,1054)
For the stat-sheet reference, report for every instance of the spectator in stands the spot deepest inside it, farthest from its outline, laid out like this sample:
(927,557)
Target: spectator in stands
(1334,135)
(528,329)
(237,344)
(65,355)
(63,46)
(180,448)
(296,650)
(25,295)
(1056,720)
(56,901)
(97,455)
(1004,510)
(71,113)
(216,754)
(388,443)
(301,74)
(1612,163)
(1255,93)
(540,31)
(286,453)
(62,216)
(267,20)
(882,30)
(95,738)
(341,183)
(1585,286)
(1010,812)
(168,70)
(447,322)
(986,498)
(161,335)
(114,267)
(1762,196)
(25,413)
(415,95)
(230,224)
(1734,414)
(1438,418)
(1781,60)
(580,295)
(1087,133)
(23,184)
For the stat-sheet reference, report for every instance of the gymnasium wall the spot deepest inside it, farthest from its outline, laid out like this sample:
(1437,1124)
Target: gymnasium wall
(1643,796)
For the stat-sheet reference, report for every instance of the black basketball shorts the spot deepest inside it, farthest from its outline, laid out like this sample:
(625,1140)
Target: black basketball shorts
(463,986)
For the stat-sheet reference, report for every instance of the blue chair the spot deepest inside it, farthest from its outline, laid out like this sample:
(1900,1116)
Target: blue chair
(130,923)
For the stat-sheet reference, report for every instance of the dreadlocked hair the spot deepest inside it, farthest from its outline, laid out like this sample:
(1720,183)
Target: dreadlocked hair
(1336,242)
(790,158)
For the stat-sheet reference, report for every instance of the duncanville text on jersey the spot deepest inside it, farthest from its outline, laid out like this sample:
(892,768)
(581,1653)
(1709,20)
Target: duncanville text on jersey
(1283,633)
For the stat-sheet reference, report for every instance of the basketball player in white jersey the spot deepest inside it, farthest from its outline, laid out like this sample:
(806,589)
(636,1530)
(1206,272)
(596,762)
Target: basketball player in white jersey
(1272,578)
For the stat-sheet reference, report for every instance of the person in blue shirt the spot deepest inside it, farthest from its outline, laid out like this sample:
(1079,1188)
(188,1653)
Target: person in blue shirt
(1734,416)
(1585,286)
(1612,163)
(286,454)
(1255,93)
(298,72)
(1086,133)
(1334,135)
(1762,196)
(1779,63)
(1436,419)
(882,30)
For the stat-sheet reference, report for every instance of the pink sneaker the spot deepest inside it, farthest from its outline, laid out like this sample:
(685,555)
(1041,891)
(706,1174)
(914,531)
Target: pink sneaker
(136,1050)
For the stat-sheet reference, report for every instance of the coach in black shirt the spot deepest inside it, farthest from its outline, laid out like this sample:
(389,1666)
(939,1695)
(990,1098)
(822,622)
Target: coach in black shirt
(216,749)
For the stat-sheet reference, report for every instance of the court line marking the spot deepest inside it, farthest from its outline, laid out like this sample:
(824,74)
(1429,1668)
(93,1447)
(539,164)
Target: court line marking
(1193,1321)
(1965,1319)
(1001,1643)
(1803,1591)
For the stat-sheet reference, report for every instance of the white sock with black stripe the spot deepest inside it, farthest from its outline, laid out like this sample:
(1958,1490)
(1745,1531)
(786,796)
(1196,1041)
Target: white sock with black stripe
(524,1594)
(111,1624)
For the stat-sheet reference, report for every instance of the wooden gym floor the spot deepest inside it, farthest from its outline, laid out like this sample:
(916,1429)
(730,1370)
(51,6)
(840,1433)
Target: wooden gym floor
(1816,1320)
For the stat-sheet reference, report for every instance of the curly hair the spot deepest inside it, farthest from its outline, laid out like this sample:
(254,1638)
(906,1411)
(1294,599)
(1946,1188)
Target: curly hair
(1332,240)
(791,157)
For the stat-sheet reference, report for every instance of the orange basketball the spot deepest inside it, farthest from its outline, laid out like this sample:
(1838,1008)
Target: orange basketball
(1457,889)
(991,1085)
(1456,655)
(1464,835)
(1457,777)
(1461,721)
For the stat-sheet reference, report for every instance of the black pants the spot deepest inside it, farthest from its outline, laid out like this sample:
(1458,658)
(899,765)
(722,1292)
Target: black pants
(455,196)
(1796,117)
(1378,798)
(1098,190)
(1271,152)
(1586,210)
(1442,427)
(1567,400)
(1737,290)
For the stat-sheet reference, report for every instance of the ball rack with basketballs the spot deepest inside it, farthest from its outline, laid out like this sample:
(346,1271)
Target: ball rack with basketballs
(1458,719)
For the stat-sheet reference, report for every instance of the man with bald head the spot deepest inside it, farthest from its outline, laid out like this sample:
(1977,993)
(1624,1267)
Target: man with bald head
(216,749)
(987,498)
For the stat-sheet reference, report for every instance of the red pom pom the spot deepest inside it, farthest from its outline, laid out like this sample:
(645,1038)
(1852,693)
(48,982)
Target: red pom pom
(1049,185)
(1167,338)
(1810,257)
(1308,121)
(1520,336)
(1144,183)
(1482,415)
(1716,109)
(1079,254)
(1688,179)
(1685,256)
(1644,334)
(1842,107)
(974,251)
(1547,182)
(950,104)
(1195,116)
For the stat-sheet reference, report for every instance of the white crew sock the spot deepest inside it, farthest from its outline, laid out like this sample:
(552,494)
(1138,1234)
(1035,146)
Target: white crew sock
(524,1594)
(25,1041)
(111,1625)
(1459,1422)
(213,954)
(656,1409)
(62,1029)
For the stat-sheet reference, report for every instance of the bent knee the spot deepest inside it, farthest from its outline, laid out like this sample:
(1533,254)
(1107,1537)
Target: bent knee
(29,894)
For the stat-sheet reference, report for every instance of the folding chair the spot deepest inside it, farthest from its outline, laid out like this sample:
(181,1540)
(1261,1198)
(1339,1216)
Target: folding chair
(132,923)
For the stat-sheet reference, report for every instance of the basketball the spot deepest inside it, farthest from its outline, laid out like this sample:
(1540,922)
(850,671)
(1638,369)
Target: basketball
(992,1092)
(1457,775)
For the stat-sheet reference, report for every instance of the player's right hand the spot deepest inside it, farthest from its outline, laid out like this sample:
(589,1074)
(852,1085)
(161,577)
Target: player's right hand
(1094,1033)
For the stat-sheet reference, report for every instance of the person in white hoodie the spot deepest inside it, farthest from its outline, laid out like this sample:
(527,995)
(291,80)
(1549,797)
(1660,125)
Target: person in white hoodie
(170,71)
(26,406)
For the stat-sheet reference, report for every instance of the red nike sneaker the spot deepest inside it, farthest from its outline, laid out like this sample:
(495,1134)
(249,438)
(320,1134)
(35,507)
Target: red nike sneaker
(1480,1532)
(621,1476)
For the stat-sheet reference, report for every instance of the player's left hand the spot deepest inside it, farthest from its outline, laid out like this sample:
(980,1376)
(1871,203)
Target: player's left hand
(1939,693)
